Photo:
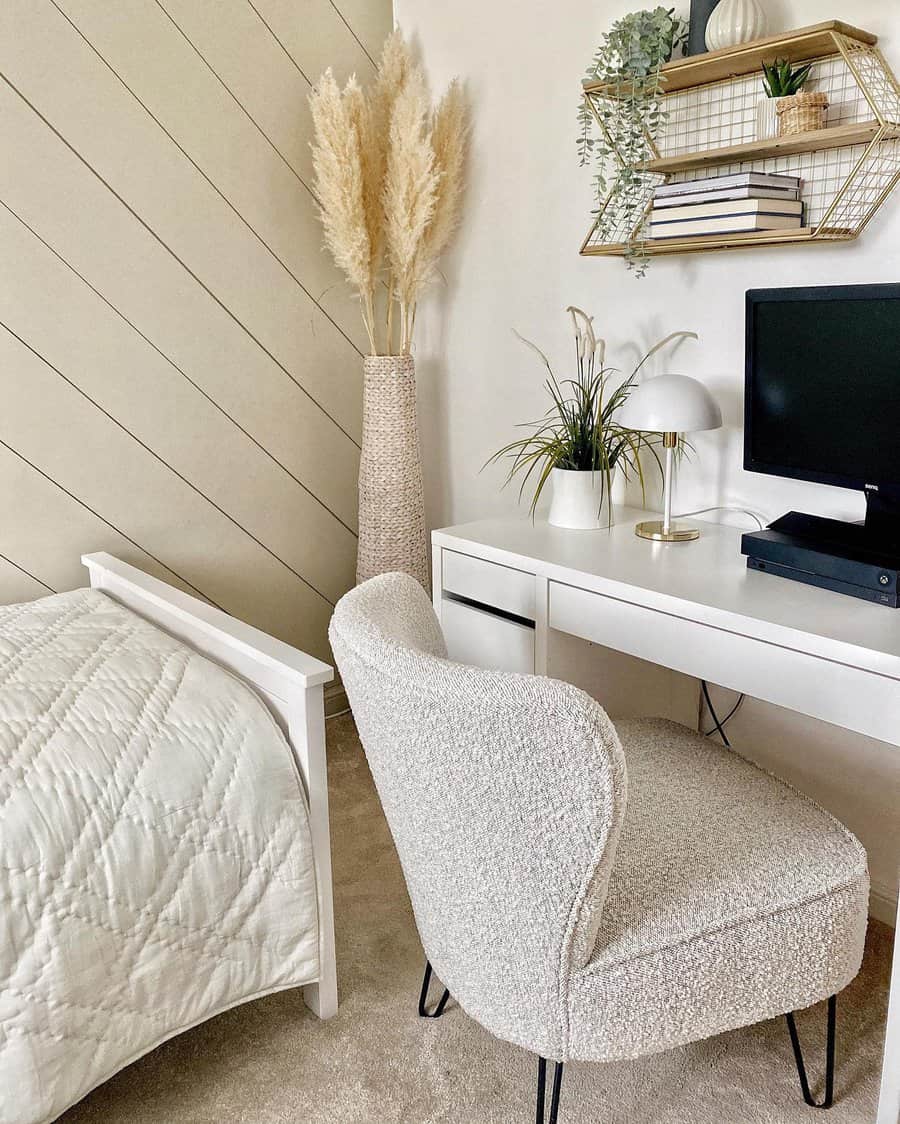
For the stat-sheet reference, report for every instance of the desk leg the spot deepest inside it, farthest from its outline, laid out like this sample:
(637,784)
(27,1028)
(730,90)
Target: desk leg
(437,579)
(541,624)
(889,1098)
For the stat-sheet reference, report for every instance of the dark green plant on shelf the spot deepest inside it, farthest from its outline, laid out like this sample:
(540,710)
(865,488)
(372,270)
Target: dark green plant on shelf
(580,430)
(781,80)
(618,140)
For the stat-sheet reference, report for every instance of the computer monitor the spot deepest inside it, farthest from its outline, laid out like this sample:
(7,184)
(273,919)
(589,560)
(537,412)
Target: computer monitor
(822,397)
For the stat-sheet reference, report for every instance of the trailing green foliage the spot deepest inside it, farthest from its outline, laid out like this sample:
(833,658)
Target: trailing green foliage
(579,430)
(780,79)
(629,115)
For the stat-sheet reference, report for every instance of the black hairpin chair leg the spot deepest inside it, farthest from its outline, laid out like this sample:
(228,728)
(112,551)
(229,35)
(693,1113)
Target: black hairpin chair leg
(424,1013)
(542,1089)
(829,1057)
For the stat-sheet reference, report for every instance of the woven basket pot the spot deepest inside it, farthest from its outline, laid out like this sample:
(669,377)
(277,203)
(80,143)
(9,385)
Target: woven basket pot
(391,500)
(801,113)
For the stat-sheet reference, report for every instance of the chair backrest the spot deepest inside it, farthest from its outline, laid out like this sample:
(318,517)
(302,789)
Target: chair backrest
(504,794)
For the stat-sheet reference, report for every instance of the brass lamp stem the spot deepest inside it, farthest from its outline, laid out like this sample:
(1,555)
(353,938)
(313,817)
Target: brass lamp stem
(664,530)
(670,440)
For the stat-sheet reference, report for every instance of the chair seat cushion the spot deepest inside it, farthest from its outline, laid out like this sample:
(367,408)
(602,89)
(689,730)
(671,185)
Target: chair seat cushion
(732,899)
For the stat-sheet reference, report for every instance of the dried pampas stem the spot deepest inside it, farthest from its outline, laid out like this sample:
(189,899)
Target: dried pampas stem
(388,177)
(337,164)
(410,191)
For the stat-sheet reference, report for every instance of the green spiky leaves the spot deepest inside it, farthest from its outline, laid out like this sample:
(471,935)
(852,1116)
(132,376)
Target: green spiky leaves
(579,430)
(780,79)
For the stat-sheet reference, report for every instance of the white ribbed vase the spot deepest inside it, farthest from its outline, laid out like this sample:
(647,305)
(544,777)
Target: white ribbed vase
(580,500)
(391,499)
(735,21)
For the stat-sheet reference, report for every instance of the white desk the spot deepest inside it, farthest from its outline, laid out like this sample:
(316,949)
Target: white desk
(501,585)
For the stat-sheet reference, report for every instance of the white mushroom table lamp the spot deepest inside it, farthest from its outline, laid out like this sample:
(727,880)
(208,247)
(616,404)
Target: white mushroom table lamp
(670,404)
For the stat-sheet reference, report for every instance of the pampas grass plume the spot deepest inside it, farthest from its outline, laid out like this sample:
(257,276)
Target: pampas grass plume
(410,192)
(388,176)
(337,165)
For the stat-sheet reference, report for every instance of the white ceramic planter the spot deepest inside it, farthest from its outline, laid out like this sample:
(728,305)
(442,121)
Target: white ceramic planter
(767,118)
(735,21)
(579,501)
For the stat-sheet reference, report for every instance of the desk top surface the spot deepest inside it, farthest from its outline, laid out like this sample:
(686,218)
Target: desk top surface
(706,580)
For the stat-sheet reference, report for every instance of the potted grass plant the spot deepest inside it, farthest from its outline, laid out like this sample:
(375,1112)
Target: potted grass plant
(579,445)
(388,177)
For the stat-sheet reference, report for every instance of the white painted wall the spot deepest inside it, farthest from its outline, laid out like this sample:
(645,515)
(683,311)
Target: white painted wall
(516,265)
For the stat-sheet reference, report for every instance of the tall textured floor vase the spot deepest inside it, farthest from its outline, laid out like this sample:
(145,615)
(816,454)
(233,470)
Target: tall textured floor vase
(391,500)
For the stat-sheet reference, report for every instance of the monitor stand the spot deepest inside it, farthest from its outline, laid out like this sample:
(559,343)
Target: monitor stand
(877,539)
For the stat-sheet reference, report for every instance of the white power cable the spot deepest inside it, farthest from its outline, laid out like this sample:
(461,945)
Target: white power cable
(739,510)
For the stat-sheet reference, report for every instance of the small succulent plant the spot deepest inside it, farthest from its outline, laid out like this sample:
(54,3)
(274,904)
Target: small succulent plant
(780,79)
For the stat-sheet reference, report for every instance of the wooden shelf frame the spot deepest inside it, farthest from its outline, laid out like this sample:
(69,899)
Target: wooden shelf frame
(840,136)
(702,243)
(802,45)
(874,163)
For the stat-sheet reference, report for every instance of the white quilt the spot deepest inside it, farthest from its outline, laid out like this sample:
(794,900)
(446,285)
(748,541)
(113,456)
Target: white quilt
(155,858)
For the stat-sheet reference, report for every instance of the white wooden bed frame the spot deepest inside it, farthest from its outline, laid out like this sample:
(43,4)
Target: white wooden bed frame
(289,681)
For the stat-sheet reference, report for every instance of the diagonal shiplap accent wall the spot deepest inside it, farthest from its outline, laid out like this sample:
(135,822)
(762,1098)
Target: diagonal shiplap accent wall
(180,360)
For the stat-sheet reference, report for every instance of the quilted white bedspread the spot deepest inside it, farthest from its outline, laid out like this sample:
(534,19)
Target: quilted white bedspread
(155,858)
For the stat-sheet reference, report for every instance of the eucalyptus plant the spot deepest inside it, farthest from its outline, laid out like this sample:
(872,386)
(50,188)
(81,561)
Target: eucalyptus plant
(628,62)
(579,430)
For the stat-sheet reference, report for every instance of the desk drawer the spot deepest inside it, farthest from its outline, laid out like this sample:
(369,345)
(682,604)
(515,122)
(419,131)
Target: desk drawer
(835,692)
(484,640)
(499,587)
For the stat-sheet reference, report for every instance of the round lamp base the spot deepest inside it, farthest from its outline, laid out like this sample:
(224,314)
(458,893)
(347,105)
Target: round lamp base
(677,532)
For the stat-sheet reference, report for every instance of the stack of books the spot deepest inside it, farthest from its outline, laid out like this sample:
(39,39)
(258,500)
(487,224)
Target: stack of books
(731,204)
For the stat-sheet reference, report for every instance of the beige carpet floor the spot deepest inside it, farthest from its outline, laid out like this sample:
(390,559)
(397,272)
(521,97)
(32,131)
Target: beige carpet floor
(271,1061)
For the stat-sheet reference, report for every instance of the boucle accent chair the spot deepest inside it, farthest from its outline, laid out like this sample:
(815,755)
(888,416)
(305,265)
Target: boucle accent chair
(582,890)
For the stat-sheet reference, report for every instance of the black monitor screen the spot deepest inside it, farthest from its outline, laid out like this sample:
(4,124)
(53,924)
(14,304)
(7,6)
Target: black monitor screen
(823,384)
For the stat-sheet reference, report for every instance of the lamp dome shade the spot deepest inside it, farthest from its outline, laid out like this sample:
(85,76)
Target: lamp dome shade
(670,404)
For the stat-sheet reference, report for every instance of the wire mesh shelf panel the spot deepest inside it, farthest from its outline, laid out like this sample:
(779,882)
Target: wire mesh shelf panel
(738,112)
(875,78)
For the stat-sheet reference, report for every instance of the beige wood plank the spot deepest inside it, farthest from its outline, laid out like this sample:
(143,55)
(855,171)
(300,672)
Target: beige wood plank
(70,440)
(371,22)
(153,58)
(48,61)
(16,586)
(47,531)
(240,49)
(106,359)
(316,37)
(247,57)
(59,198)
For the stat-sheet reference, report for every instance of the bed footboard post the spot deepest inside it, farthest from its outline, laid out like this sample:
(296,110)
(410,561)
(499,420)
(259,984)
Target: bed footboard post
(289,681)
(307,733)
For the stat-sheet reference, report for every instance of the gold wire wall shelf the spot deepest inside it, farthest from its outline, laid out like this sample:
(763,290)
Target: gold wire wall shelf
(714,121)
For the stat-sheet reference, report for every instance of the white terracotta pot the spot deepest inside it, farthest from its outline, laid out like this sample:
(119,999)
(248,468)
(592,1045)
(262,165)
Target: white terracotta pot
(580,501)
(735,21)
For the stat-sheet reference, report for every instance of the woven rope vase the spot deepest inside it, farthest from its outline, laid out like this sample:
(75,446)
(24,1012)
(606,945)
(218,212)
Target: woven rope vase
(391,500)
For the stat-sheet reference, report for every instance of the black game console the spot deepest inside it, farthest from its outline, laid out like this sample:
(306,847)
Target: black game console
(828,553)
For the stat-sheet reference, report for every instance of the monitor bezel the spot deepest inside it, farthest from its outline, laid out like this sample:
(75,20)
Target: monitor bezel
(754,297)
